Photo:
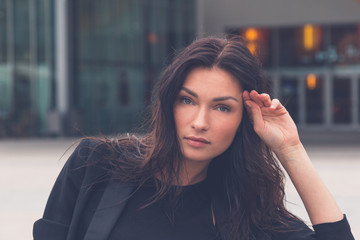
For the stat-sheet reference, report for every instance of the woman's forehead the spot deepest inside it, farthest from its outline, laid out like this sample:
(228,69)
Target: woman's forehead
(212,79)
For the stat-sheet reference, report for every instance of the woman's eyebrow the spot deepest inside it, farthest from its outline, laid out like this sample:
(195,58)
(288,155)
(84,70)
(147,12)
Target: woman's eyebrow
(218,99)
(189,92)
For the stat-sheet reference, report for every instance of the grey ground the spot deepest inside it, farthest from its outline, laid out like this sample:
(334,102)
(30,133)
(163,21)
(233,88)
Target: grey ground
(28,169)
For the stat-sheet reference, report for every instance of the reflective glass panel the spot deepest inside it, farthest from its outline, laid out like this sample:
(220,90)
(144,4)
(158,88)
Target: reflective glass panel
(42,36)
(3,32)
(358,103)
(290,96)
(345,44)
(21,30)
(341,100)
(301,46)
(120,47)
(4,74)
(29,86)
(314,92)
(259,42)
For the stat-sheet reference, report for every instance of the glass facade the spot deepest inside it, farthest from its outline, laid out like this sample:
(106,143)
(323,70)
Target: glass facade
(26,66)
(259,41)
(290,96)
(358,99)
(345,44)
(342,100)
(4,69)
(116,50)
(314,102)
(119,49)
(314,68)
(301,46)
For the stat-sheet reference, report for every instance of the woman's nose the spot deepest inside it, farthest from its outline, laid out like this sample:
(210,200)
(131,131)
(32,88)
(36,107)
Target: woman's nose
(201,120)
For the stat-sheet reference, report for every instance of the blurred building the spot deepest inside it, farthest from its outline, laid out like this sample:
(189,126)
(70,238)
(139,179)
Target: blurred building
(310,49)
(27,78)
(87,66)
(84,66)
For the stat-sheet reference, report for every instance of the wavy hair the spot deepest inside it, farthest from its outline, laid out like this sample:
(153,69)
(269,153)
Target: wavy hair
(246,176)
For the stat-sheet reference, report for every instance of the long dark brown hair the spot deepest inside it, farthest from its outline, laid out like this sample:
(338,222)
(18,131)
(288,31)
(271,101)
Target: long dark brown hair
(246,176)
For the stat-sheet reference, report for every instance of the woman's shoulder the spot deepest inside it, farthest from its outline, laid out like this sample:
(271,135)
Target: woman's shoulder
(84,160)
(88,151)
(89,154)
(95,149)
(106,153)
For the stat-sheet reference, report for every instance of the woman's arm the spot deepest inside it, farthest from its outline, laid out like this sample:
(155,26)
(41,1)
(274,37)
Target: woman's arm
(319,203)
(275,127)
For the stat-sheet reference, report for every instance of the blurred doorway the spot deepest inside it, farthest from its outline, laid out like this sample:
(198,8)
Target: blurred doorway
(314,103)
(289,91)
(341,100)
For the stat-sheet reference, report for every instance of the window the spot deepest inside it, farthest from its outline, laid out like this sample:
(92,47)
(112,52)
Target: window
(345,44)
(259,42)
(289,90)
(120,47)
(314,99)
(341,100)
(301,46)
(358,103)
(3,33)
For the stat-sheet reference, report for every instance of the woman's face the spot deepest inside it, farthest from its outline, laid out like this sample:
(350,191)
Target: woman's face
(207,112)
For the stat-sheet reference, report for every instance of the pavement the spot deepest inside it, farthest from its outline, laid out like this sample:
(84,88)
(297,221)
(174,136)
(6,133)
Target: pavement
(29,167)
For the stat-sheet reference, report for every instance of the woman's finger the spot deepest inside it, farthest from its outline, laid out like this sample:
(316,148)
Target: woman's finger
(275,103)
(265,98)
(246,95)
(255,96)
(255,115)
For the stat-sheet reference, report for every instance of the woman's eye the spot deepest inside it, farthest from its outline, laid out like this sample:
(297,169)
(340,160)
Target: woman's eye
(223,108)
(186,100)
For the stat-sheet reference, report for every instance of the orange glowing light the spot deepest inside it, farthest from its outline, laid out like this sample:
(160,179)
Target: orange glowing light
(251,34)
(309,37)
(252,47)
(311,81)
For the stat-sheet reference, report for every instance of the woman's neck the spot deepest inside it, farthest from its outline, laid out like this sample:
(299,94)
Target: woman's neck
(193,172)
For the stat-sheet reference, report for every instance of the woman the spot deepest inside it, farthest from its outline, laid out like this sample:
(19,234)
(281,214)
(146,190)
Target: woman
(204,170)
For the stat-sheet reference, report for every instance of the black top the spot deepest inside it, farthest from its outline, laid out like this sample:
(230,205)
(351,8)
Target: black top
(190,217)
(84,205)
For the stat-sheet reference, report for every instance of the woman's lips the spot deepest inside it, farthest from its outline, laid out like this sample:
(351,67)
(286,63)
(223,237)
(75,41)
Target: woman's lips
(196,142)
